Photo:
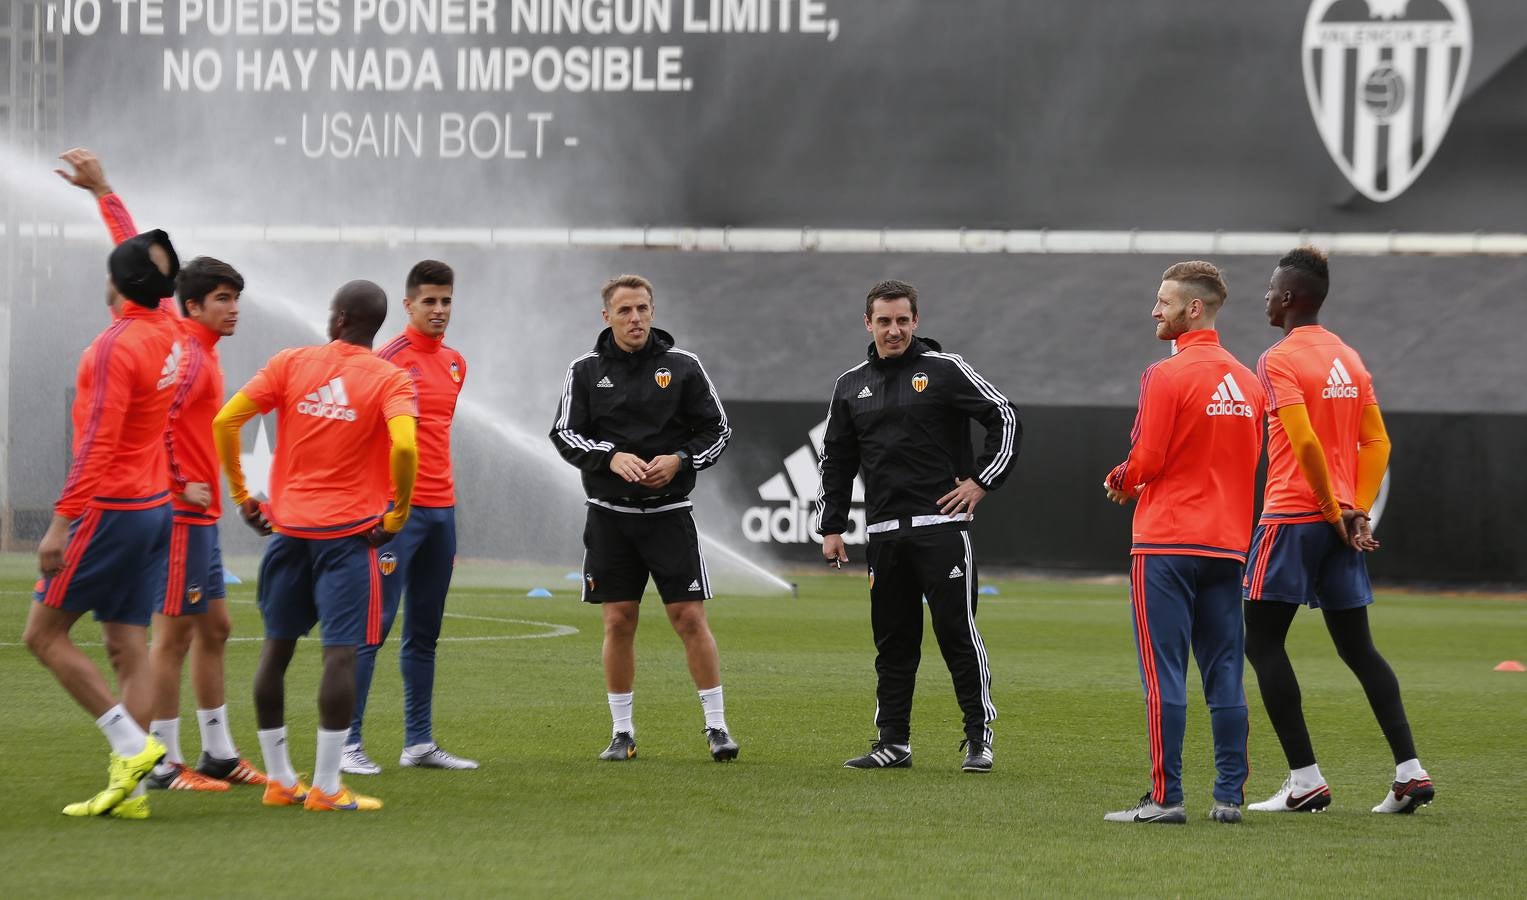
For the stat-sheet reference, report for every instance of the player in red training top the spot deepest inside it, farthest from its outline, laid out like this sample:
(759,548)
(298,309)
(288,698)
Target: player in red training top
(107,547)
(416,567)
(338,409)
(1193,469)
(1327,451)
(192,610)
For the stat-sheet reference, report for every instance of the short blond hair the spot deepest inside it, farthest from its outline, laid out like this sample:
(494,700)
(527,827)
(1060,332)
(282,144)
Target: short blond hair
(1202,279)
(624,281)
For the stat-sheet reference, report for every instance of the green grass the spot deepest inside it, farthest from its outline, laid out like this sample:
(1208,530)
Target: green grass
(544,817)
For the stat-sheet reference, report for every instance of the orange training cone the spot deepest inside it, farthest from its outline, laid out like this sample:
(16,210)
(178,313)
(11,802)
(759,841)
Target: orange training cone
(1511,665)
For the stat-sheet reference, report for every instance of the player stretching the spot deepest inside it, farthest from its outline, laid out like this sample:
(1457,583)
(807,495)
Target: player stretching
(192,611)
(1193,467)
(425,552)
(640,417)
(338,407)
(107,548)
(1327,452)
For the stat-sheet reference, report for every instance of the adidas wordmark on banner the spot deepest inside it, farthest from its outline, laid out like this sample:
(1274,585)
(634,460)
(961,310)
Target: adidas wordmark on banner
(792,495)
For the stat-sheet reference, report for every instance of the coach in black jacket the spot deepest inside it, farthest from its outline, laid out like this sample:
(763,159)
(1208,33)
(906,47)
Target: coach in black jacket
(902,417)
(640,417)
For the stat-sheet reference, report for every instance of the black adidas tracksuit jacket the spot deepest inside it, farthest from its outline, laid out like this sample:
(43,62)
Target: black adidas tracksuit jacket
(654,401)
(905,423)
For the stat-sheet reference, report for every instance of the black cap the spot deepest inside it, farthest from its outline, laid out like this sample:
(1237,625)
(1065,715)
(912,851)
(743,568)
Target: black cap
(134,274)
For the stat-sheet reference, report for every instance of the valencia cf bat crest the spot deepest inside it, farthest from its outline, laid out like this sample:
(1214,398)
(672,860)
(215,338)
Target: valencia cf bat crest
(387,562)
(920,382)
(193,594)
(1384,78)
(456,371)
(663,377)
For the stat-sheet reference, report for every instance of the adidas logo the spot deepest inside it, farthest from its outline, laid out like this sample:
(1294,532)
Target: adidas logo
(694,585)
(171,369)
(1339,384)
(790,517)
(605,382)
(328,401)
(1229,401)
(864,392)
(956,573)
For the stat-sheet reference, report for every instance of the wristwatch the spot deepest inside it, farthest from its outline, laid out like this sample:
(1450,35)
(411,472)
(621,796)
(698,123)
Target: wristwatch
(683,456)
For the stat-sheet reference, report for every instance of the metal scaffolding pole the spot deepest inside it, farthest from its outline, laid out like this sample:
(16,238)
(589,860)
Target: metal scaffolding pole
(31,60)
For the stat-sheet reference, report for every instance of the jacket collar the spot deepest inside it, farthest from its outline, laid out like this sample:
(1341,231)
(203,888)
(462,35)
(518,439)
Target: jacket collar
(421,341)
(915,348)
(658,343)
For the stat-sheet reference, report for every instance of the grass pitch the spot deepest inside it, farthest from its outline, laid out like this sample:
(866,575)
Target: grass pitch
(544,817)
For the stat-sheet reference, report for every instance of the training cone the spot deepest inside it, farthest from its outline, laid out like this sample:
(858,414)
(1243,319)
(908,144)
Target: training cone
(1511,665)
(230,578)
(573,576)
(538,592)
(988,590)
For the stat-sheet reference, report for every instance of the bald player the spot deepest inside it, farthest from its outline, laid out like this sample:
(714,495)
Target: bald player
(345,433)
(1193,469)
(1327,451)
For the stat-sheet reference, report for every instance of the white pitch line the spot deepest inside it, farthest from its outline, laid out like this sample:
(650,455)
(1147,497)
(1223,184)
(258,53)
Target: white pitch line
(554,629)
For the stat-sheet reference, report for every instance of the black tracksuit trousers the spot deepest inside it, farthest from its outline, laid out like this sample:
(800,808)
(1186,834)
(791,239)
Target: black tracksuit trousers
(904,569)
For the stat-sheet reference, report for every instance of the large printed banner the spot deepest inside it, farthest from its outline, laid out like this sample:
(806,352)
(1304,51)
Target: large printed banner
(1157,114)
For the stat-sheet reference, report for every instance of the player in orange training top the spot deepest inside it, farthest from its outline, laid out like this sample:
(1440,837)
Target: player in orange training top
(1193,469)
(417,566)
(192,615)
(339,408)
(1327,451)
(107,548)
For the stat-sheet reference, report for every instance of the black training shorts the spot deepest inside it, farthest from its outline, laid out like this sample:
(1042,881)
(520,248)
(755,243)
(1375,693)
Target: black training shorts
(622,549)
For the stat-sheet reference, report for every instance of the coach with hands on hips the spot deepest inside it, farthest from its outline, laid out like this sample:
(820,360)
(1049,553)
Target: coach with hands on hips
(902,417)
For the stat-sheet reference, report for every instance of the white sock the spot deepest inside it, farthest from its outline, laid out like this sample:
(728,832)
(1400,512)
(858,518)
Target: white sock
(714,706)
(216,741)
(124,734)
(620,714)
(1309,776)
(168,733)
(140,790)
(278,759)
(1409,770)
(331,746)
